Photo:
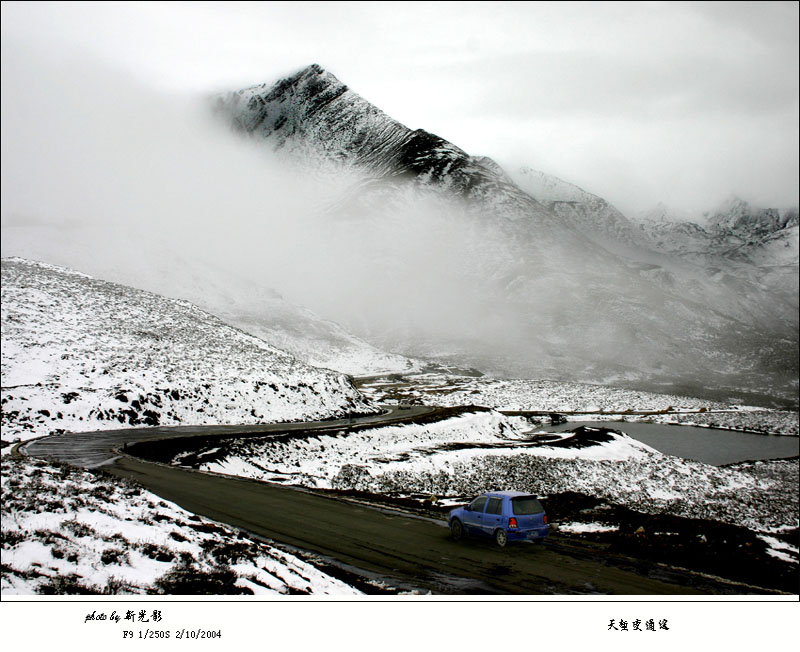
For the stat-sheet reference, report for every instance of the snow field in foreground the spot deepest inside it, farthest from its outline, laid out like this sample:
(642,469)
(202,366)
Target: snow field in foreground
(68,531)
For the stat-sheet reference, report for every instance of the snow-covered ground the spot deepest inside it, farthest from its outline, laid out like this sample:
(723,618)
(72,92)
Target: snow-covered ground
(152,264)
(781,550)
(519,394)
(594,400)
(574,527)
(773,422)
(68,531)
(82,354)
(475,452)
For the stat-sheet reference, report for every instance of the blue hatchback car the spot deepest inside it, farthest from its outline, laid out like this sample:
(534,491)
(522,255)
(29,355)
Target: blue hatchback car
(503,515)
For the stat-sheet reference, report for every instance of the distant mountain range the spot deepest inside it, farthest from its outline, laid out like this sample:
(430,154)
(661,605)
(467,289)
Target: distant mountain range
(736,231)
(553,281)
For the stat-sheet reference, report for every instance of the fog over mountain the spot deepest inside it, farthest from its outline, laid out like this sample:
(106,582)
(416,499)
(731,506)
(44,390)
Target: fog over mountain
(465,264)
(107,177)
(398,235)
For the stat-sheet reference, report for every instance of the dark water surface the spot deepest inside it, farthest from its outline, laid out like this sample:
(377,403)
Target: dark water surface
(708,445)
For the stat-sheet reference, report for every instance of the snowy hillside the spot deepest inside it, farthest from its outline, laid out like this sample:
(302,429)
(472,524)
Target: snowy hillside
(69,531)
(84,354)
(745,249)
(598,400)
(584,211)
(522,395)
(739,217)
(148,263)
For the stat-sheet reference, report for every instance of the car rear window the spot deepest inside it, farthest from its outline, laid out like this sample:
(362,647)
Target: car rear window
(525,505)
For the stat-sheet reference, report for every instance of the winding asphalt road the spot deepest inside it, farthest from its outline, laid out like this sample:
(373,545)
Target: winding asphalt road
(101,447)
(400,549)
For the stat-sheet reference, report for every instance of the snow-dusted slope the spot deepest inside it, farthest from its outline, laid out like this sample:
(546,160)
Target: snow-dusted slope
(84,354)
(752,251)
(586,212)
(148,263)
(739,217)
(71,531)
(673,234)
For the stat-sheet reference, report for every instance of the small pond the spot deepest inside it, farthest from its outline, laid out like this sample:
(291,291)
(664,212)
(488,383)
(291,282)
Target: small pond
(708,445)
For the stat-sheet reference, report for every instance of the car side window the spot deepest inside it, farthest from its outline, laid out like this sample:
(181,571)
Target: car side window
(495,506)
(478,504)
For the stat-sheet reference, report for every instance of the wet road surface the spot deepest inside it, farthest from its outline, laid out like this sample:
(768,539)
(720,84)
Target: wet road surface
(402,550)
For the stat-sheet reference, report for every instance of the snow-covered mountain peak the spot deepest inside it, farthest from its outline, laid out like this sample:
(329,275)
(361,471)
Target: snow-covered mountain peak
(735,231)
(309,83)
(315,115)
(313,85)
(315,69)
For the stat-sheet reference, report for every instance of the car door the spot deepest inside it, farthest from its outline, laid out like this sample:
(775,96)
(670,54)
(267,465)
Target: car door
(473,515)
(493,516)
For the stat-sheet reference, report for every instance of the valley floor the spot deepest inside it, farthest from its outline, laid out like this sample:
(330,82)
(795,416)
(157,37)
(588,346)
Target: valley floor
(65,530)
(591,402)
(739,521)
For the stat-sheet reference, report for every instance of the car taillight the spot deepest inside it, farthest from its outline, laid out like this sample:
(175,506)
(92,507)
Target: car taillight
(545,518)
(512,522)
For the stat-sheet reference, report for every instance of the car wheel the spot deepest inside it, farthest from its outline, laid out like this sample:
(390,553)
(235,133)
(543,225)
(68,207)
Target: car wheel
(500,537)
(456,530)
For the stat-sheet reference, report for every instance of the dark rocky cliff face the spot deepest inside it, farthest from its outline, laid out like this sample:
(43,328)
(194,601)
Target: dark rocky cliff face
(313,113)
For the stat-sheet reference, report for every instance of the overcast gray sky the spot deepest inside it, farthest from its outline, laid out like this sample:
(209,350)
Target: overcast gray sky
(638,102)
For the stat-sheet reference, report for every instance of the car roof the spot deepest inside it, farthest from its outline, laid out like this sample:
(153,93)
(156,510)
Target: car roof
(509,494)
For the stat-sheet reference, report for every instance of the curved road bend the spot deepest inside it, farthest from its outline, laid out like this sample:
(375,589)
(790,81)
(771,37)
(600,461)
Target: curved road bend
(93,449)
(402,550)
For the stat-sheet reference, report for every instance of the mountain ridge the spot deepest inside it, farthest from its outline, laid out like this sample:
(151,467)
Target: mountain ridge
(353,131)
